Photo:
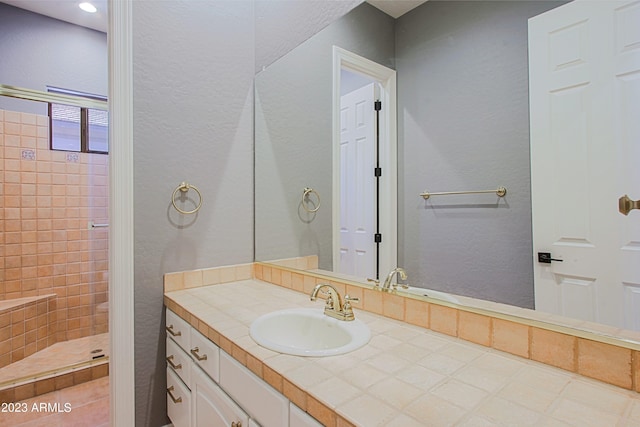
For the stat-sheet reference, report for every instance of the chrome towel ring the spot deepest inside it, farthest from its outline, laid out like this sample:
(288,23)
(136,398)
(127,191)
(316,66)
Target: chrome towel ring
(306,200)
(183,188)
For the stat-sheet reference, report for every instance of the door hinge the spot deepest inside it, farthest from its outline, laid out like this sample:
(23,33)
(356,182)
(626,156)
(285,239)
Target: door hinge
(377,105)
(377,238)
(377,172)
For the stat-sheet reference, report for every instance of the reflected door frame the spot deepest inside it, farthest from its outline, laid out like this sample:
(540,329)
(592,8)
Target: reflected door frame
(386,77)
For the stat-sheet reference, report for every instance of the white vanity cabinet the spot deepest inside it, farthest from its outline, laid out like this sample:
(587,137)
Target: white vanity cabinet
(208,387)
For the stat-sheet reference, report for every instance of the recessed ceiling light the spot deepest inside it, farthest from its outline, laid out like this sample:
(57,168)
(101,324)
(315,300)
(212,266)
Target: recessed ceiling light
(88,7)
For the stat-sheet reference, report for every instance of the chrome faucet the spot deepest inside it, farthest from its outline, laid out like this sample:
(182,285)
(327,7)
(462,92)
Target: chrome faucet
(386,287)
(334,306)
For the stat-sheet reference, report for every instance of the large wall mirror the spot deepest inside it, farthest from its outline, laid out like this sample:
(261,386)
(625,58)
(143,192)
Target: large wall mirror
(467,74)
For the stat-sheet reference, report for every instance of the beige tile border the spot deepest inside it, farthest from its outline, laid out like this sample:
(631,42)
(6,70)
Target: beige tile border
(208,276)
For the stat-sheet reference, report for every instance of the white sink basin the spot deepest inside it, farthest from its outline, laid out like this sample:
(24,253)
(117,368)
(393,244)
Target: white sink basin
(308,332)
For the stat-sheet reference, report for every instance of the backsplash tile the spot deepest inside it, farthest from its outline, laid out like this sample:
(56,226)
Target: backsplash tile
(511,337)
(636,374)
(443,319)
(605,362)
(554,349)
(475,328)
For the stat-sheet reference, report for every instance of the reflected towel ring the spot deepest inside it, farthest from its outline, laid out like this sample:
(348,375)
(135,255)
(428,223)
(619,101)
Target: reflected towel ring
(305,200)
(184,187)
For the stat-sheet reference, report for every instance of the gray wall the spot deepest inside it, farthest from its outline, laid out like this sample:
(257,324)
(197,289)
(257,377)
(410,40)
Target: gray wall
(281,25)
(293,135)
(463,123)
(38,51)
(194,64)
(193,121)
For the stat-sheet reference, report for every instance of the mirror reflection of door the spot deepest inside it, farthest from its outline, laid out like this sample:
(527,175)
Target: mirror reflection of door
(358,199)
(364,214)
(584,149)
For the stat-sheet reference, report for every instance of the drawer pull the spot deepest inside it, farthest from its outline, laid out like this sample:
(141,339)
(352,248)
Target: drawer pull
(170,393)
(236,424)
(195,351)
(172,332)
(173,365)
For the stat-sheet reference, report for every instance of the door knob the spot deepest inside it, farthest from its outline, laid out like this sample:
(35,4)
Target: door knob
(626,205)
(545,258)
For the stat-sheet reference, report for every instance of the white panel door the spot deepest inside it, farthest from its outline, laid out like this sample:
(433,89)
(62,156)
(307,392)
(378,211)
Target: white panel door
(584,72)
(357,183)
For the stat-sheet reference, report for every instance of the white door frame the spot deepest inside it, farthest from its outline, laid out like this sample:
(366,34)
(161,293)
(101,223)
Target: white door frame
(386,77)
(121,272)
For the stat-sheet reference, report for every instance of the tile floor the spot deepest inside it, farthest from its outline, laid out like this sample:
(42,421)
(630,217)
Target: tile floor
(84,405)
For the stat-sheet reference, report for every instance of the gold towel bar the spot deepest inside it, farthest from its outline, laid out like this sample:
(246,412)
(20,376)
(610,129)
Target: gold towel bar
(500,192)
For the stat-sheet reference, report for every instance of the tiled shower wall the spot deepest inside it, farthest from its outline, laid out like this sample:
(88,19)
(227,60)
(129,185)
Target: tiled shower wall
(47,201)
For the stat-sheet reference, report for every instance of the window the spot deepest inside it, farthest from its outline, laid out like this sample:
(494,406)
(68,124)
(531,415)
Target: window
(81,129)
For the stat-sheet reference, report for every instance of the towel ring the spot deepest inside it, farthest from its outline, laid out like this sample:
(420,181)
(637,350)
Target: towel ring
(305,196)
(183,188)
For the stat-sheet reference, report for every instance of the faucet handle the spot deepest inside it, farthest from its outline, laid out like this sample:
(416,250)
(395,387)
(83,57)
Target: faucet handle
(346,306)
(376,282)
(348,298)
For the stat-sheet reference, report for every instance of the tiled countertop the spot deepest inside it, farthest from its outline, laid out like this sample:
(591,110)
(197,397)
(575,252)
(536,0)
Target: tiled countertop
(406,375)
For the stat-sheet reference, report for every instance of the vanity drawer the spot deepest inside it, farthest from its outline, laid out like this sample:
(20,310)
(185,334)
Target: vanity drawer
(178,330)
(205,354)
(260,400)
(178,361)
(178,401)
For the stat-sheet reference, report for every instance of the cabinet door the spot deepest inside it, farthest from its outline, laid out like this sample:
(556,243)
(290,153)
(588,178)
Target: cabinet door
(178,401)
(211,406)
(299,418)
